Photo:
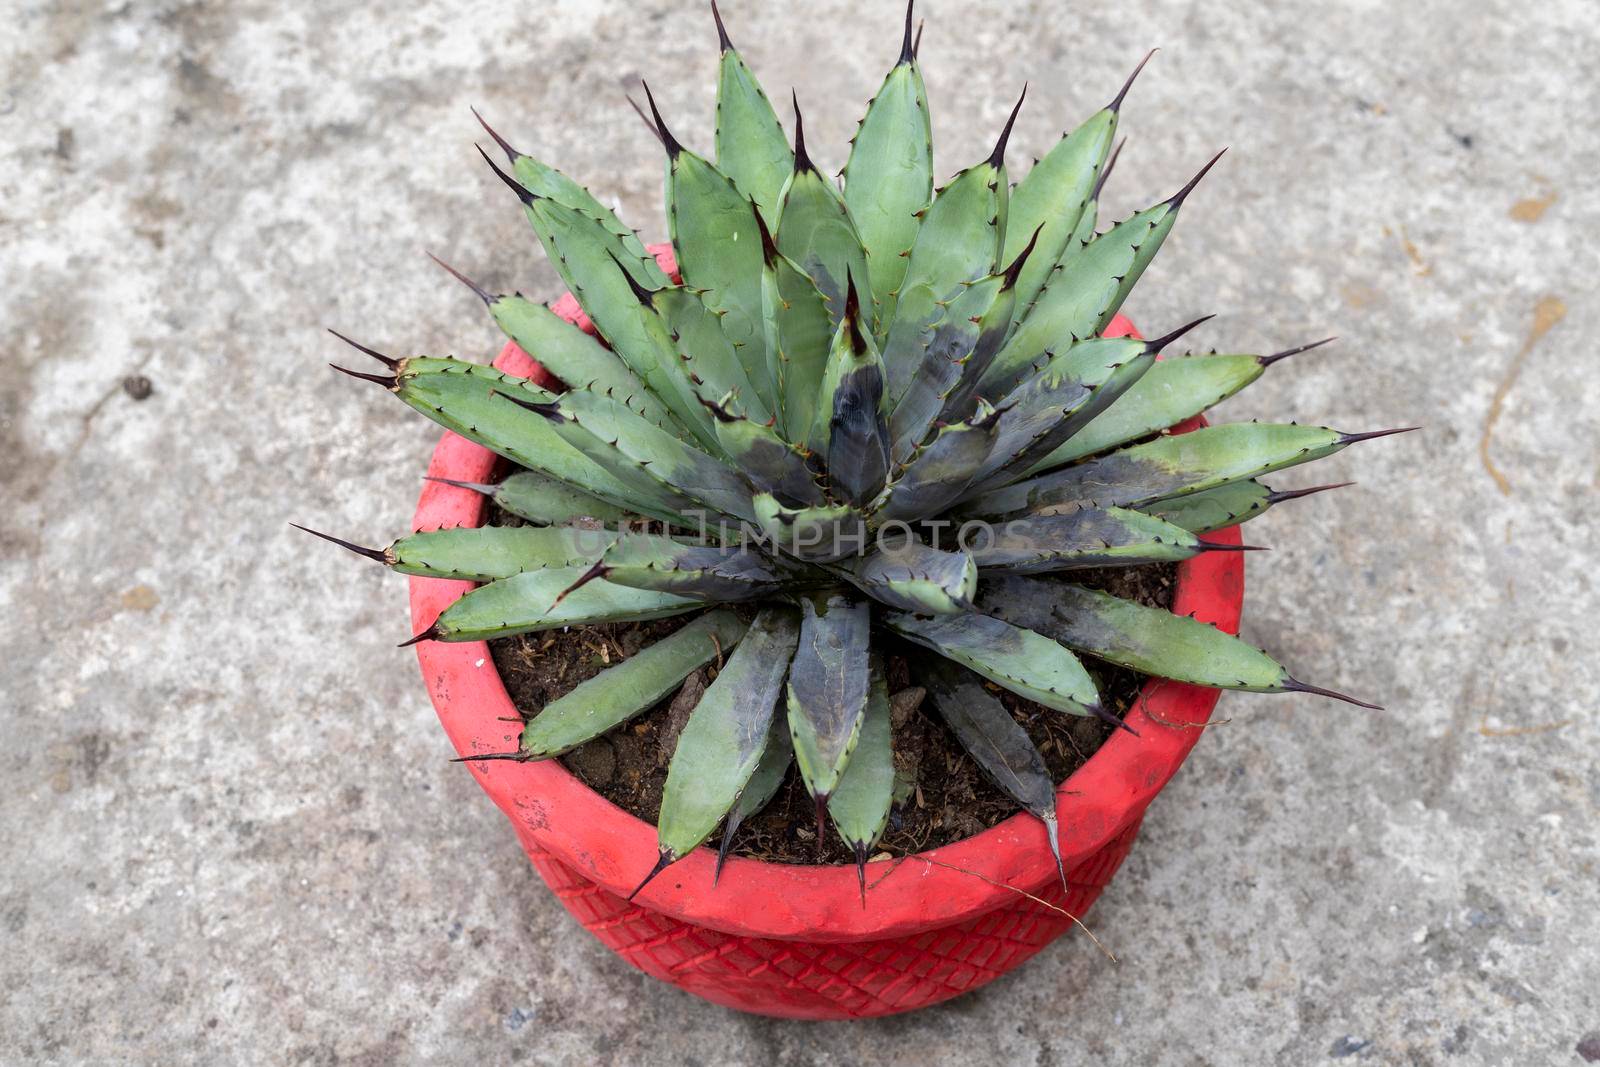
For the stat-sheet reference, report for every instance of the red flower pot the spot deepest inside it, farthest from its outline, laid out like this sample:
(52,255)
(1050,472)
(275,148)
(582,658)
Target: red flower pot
(789,940)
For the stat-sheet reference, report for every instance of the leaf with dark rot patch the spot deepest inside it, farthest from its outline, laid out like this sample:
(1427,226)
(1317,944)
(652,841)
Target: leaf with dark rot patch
(997,744)
(771,464)
(1027,663)
(828,688)
(1143,638)
(1084,537)
(851,420)
(940,471)
(637,684)
(761,788)
(712,573)
(817,534)
(723,740)
(915,577)
(859,804)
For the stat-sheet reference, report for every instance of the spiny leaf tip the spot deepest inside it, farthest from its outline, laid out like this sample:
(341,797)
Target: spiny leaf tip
(1116,104)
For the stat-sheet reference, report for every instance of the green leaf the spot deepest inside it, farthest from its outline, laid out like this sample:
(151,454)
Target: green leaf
(716,231)
(722,742)
(1057,401)
(542,499)
(678,467)
(851,414)
(1082,295)
(711,363)
(1000,747)
(967,336)
(1132,635)
(1227,505)
(816,232)
(916,577)
(828,688)
(1030,665)
(859,804)
(461,397)
(1175,389)
(1172,466)
(888,180)
(620,308)
(1053,195)
(637,684)
(751,148)
(799,336)
(533,601)
(486,553)
(957,244)
(574,356)
(536,179)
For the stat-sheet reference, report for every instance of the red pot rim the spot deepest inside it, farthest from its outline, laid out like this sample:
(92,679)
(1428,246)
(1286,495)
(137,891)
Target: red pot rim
(818,903)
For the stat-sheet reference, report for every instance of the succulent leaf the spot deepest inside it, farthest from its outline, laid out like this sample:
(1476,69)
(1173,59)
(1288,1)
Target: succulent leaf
(535,600)
(1027,663)
(818,534)
(724,574)
(828,684)
(635,685)
(619,306)
(855,436)
(462,397)
(1172,466)
(1175,389)
(768,462)
(1226,505)
(1052,197)
(918,578)
(996,743)
(816,232)
(762,786)
(751,148)
(799,338)
(713,366)
(859,804)
(940,471)
(544,500)
(487,553)
(716,231)
(1058,400)
(1083,537)
(888,180)
(723,740)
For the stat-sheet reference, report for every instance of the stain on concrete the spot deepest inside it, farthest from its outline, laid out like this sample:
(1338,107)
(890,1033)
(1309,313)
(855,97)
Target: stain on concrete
(1549,311)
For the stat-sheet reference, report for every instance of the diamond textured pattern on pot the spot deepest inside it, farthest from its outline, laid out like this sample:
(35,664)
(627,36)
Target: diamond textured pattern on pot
(845,980)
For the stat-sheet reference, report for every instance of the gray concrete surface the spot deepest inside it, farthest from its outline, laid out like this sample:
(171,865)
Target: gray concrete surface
(228,829)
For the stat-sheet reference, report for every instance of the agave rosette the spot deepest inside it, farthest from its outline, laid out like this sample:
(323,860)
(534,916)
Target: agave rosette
(867,407)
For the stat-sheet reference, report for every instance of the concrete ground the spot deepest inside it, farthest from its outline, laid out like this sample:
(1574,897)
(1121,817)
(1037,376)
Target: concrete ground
(228,828)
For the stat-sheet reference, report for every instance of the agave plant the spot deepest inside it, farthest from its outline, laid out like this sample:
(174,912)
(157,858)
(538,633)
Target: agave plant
(866,408)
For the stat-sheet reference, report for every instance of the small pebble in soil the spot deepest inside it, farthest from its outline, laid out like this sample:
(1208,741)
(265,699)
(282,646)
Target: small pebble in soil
(1589,1047)
(138,386)
(1347,1046)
